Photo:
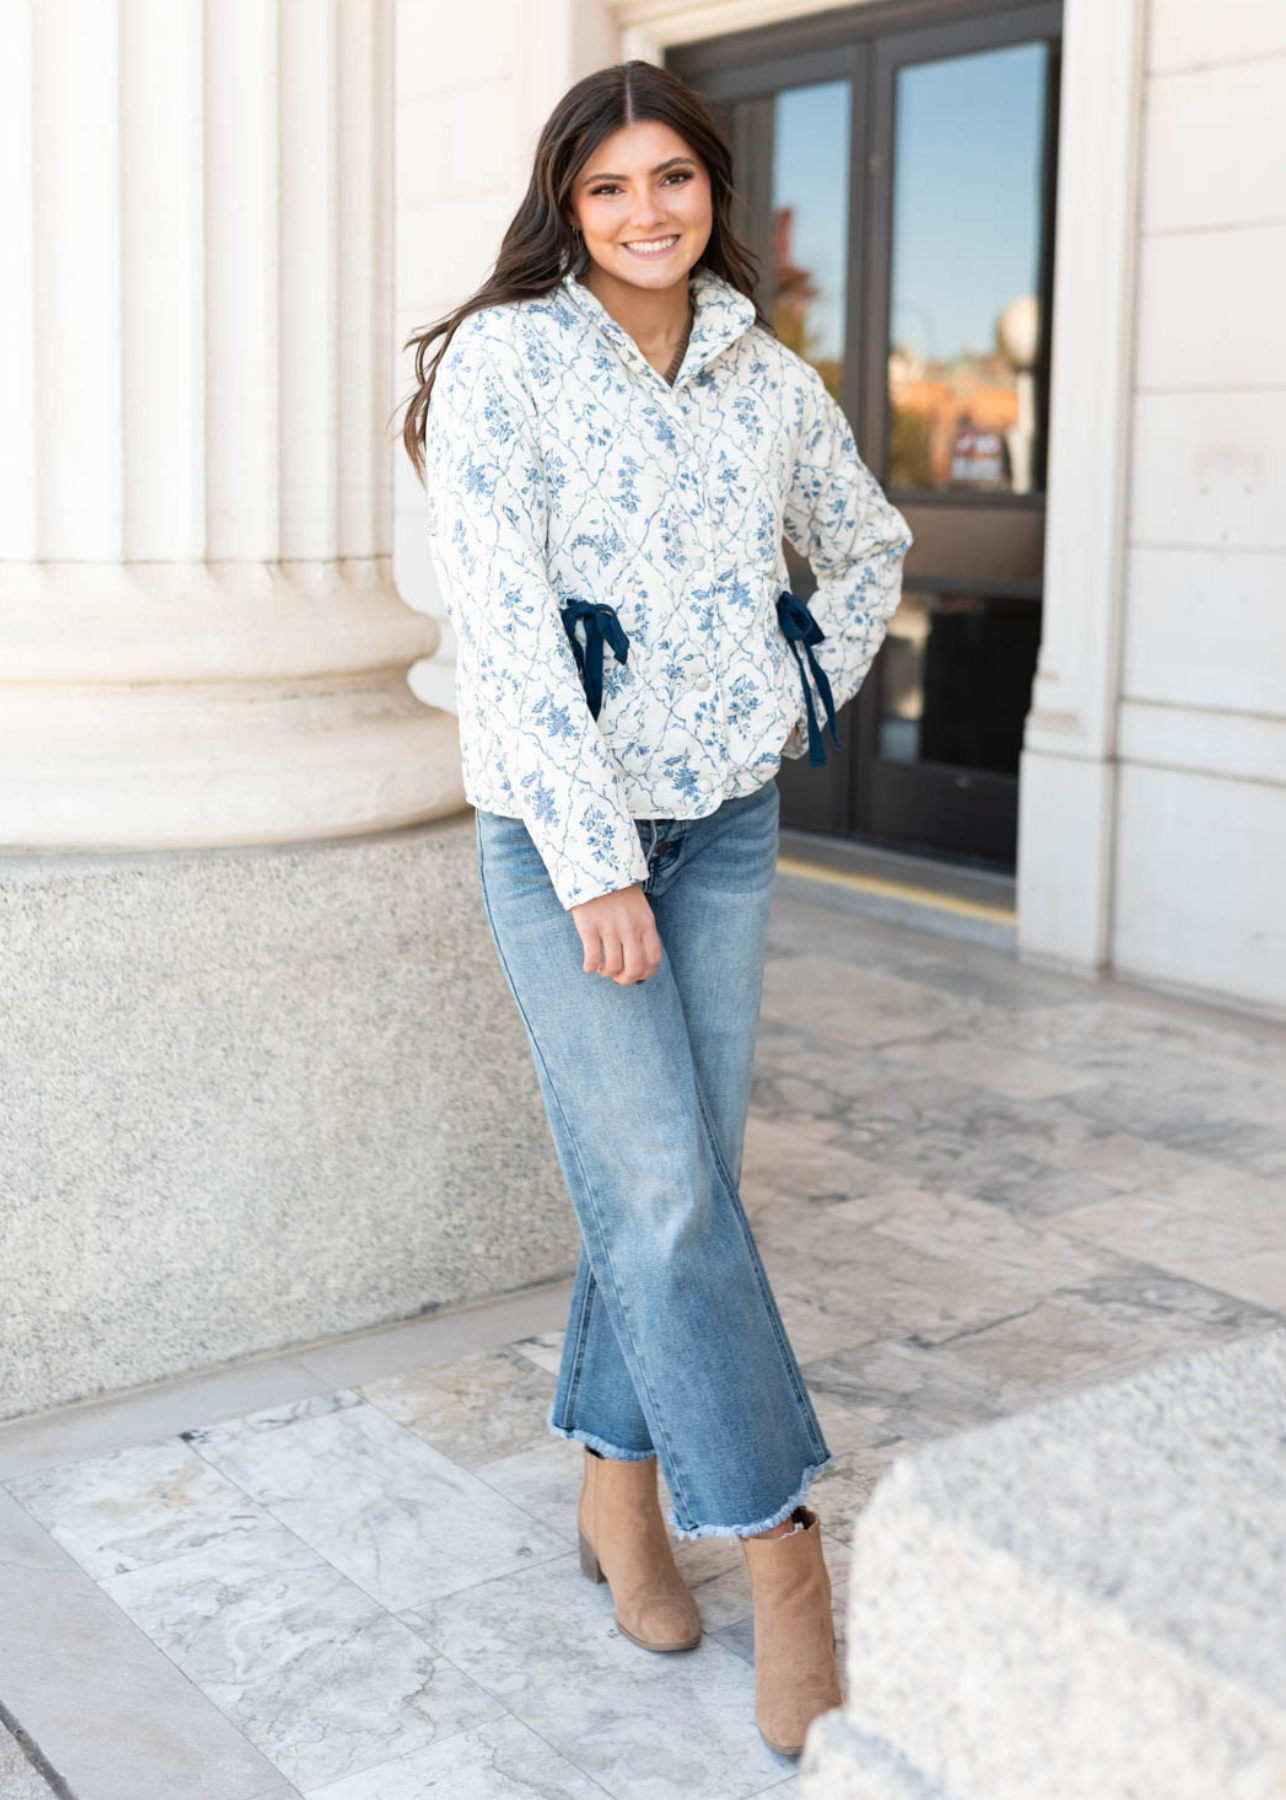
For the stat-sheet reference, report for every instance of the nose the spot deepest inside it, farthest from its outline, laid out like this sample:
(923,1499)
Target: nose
(650,213)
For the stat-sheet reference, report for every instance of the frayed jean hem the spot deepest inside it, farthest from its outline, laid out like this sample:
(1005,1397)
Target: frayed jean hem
(597,1443)
(782,1512)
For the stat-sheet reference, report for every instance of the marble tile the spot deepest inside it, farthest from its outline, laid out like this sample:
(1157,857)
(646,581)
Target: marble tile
(1025,1256)
(474,1409)
(545,1349)
(780,1160)
(313,1671)
(950,1134)
(544,1482)
(1123,1162)
(792,1096)
(601,1705)
(913,1392)
(1015,1074)
(135,1507)
(878,1285)
(378,1502)
(817,1323)
(510,1633)
(504,1760)
(854,1006)
(1231,1071)
(1041,1193)
(1183,1120)
(1236,1244)
(1107,1328)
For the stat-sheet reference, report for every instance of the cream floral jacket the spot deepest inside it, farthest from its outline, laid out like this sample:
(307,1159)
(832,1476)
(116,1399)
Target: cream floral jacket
(609,552)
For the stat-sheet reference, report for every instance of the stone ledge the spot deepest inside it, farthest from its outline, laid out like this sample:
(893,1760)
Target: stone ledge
(1082,1601)
(254,1098)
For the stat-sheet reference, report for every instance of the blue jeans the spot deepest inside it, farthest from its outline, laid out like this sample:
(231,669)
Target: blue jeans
(674,1347)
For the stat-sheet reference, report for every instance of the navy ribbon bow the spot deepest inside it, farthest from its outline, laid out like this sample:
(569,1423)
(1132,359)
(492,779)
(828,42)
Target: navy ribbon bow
(601,623)
(800,627)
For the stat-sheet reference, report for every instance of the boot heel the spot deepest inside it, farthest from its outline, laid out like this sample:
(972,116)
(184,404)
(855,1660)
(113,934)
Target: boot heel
(589,1564)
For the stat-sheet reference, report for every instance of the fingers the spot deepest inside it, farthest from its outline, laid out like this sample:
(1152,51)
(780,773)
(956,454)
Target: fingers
(619,939)
(627,959)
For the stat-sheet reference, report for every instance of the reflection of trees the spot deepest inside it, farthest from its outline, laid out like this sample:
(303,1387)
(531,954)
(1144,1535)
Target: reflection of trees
(910,447)
(794,291)
(931,403)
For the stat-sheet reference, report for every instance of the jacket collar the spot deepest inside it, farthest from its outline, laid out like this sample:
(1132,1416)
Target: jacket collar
(723,314)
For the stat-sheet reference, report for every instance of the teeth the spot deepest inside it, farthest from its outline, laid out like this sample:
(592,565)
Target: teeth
(653,243)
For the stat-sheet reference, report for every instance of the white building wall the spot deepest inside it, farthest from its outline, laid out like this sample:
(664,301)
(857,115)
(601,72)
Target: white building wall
(1200,850)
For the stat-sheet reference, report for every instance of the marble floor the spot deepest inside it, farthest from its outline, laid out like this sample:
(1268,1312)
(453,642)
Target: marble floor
(349,1572)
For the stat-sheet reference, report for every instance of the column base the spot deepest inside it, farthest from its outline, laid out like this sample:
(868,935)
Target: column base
(263,1097)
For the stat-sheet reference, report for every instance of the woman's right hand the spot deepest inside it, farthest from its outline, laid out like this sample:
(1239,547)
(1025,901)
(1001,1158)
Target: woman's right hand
(619,935)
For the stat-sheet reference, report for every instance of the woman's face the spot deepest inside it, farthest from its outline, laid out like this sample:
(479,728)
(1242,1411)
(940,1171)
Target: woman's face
(643,203)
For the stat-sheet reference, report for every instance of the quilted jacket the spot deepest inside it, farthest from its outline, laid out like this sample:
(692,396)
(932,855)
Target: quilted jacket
(609,552)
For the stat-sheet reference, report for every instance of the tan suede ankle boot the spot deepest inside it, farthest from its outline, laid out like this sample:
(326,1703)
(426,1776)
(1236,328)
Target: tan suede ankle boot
(796,1675)
(623,1541)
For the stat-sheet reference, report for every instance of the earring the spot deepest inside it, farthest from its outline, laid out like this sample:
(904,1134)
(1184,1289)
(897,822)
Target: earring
(580,255)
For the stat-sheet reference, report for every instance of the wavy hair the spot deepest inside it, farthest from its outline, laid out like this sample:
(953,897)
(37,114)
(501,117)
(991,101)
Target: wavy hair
(539,246)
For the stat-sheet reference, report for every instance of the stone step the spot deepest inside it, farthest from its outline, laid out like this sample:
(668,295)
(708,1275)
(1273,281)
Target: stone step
(1083,1601)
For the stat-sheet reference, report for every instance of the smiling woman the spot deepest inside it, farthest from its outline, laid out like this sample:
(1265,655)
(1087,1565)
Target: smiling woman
(615,444)
(641,229)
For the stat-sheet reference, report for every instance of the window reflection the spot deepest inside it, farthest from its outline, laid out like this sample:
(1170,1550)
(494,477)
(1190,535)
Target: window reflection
(965,314)
(810,224)
(955,679)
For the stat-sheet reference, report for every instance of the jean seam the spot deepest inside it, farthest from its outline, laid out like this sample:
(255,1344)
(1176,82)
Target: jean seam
(761,1277)
(578,1347)
(587,1184)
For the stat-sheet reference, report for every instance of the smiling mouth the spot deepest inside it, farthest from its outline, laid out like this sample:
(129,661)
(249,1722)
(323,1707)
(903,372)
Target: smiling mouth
(653,247)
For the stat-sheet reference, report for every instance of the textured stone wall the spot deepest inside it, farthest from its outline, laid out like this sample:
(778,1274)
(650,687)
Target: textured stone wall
(252,1098)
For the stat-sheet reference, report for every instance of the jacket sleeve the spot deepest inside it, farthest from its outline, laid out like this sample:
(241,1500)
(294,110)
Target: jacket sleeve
(837,517)
(520,694)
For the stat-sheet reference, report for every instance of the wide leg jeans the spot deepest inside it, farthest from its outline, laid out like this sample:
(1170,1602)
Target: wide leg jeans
(675,1347)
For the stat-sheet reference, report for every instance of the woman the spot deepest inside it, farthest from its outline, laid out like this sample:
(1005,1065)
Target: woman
(613,441)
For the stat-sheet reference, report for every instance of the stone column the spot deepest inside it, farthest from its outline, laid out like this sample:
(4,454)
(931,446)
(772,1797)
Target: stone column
(200,641)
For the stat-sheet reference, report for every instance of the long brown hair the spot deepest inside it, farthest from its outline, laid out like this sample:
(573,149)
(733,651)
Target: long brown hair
(538,248)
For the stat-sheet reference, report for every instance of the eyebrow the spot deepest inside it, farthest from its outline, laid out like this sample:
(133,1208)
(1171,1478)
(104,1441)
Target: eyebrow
(667,164)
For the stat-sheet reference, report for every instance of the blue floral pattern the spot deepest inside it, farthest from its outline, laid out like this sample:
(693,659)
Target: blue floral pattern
(562,466)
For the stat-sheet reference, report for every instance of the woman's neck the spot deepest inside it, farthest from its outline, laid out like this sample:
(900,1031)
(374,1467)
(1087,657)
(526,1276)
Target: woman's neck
(656,318)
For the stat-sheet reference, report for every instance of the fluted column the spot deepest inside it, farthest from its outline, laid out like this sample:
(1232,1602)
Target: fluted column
(200,642)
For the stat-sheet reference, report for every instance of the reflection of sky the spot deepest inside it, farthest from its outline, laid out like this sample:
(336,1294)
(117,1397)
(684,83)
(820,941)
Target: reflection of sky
(966,196)
(810,173)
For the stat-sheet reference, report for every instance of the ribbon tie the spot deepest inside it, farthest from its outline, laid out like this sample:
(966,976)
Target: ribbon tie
(800,627)
(601,623)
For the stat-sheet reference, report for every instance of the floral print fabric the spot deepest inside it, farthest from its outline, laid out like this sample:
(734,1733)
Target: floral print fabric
(561,467)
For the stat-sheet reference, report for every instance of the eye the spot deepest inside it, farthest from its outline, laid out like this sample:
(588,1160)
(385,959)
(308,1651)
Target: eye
(612,187)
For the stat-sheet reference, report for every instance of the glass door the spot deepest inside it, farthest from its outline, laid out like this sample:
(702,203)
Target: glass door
(897,185)
(793,120)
